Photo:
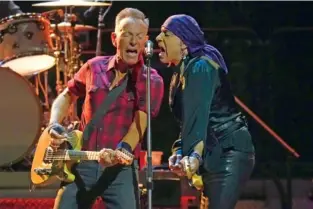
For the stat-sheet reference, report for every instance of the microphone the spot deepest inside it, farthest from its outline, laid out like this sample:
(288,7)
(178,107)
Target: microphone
(149,49)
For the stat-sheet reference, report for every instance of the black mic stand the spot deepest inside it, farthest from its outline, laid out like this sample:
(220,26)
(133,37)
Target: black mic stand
(100,28)
(149,174)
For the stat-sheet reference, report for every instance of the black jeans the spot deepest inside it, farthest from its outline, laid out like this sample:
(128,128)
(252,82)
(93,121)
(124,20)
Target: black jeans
(117,186)
(225,175)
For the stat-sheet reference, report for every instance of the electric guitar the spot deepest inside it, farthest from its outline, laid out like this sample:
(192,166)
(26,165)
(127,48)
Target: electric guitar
(49,165)
(195,180)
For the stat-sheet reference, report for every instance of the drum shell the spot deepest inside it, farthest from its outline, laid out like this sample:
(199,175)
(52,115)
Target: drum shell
(21,117)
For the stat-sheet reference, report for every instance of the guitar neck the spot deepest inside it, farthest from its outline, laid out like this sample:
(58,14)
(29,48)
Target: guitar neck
(81,155)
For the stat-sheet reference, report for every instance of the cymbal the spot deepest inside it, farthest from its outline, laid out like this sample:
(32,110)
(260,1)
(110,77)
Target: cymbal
(69,3)
(67,26)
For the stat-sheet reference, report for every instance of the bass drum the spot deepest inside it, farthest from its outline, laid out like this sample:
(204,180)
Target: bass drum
(20,117)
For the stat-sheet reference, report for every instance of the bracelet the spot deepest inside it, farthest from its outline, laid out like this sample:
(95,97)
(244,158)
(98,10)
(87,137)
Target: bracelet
(51,124)
(179,151)
(57,127)
(196,155)
(124,145)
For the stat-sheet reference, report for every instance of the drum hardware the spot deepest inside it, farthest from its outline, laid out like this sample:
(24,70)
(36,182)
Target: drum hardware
(55,15)
(67,3)
(44,87)
(30,45)
(67,52)
(70,50)
(63,26)
(26,46)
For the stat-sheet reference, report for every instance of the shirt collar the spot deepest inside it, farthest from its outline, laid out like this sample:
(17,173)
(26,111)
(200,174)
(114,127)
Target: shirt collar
(137,66)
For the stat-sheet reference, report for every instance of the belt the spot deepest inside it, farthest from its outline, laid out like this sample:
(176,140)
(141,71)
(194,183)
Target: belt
(230,126)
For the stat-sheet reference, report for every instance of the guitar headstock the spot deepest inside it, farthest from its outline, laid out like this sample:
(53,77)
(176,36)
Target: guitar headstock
(124,157)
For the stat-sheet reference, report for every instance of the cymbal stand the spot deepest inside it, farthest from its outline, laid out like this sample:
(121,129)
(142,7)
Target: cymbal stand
(42,87)
(76,62)
(57,53)
(70,58)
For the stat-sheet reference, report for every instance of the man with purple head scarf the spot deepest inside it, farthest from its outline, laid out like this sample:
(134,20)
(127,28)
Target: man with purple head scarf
(214,149)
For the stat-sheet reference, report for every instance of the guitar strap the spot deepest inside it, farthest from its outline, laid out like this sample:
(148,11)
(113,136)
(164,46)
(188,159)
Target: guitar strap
(104,107)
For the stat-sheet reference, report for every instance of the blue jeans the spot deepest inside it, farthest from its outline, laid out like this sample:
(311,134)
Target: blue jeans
(117,186)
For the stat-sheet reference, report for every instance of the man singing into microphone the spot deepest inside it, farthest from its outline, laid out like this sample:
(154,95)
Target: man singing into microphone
(214,141)
(122,127)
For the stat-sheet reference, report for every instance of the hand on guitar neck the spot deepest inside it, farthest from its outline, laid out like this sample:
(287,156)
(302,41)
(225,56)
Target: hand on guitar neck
(109,157)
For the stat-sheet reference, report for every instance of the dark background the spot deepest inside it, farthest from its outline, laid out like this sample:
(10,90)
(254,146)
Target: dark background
(268,47)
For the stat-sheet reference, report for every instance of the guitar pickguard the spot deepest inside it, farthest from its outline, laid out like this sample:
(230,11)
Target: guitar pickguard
(45,169)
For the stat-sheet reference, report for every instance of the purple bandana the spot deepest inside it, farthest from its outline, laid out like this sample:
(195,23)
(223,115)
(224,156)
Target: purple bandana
(187,29)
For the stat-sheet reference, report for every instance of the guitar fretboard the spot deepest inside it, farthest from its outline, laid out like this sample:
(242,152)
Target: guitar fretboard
(81,155)
(75,155)
(84,155)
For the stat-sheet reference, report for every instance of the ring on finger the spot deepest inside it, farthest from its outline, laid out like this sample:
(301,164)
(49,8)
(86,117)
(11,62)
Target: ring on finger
(187,163)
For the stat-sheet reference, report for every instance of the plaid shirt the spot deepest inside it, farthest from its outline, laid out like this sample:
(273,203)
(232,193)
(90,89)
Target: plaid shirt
(93,81)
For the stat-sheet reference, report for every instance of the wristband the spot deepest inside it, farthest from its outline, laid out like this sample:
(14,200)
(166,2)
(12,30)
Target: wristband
(179,151)
(57,127)
(196,155)
(51,124)
(124,145)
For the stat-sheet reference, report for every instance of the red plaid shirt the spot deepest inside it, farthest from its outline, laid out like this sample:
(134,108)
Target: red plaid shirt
(93,81)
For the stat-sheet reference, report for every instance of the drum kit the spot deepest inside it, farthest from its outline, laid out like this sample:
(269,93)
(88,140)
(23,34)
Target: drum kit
(32,46)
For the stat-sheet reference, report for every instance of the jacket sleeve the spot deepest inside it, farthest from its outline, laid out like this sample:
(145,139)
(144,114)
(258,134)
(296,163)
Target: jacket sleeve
(198,90)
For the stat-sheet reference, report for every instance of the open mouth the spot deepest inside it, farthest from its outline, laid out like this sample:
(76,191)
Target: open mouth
(132,52)
(162,48)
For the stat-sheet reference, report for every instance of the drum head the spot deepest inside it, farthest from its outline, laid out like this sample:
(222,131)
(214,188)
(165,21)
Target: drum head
(20,117)
(30,65)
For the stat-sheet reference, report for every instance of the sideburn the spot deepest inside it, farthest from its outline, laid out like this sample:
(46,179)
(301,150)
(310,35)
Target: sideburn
(165,45)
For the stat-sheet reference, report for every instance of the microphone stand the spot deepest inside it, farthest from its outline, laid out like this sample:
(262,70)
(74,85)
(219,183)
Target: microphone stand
(100,28)
(149,174)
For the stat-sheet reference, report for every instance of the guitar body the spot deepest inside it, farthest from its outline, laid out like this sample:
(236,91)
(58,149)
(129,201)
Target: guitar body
(45,171)
(196,182)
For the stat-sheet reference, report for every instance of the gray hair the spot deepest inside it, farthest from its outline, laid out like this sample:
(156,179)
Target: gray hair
(130,13)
